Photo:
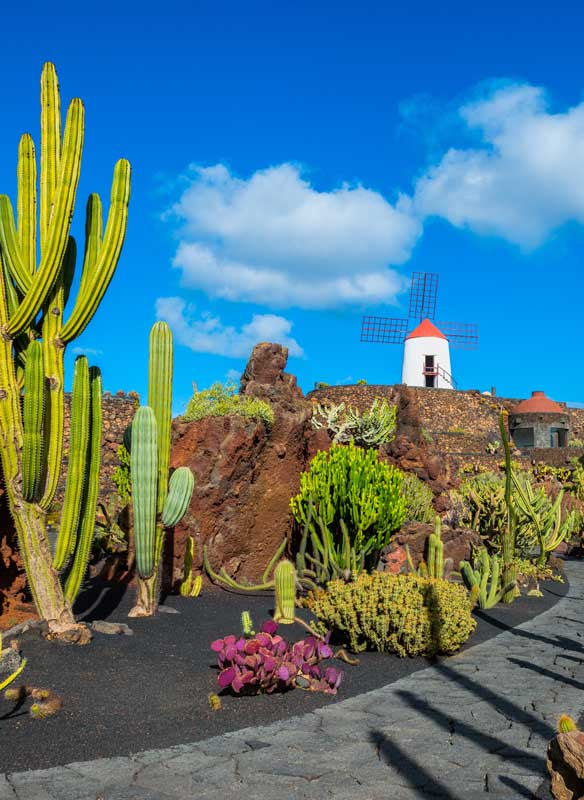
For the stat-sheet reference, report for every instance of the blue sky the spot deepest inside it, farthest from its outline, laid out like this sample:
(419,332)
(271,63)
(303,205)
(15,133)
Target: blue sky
(294,162)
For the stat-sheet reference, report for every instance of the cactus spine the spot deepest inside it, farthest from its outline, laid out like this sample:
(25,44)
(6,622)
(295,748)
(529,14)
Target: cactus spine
(155,508)
(32,310)
(285,592)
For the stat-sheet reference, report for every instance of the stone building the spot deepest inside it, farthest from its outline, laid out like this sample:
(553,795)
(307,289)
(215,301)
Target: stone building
(539,422)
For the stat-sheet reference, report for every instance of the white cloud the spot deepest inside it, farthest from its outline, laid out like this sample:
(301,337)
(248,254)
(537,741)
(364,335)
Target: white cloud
(524,181)
(209,335)
(233,375)
(87,351)
(275,240)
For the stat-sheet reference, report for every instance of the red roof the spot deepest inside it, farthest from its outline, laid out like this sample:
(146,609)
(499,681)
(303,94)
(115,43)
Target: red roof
(538,403)
(426,328)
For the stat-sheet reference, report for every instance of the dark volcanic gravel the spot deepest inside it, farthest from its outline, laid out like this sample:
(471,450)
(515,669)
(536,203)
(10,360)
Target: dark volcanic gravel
(124,694)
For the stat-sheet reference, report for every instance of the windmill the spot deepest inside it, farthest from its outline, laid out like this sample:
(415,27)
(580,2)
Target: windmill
(427,346)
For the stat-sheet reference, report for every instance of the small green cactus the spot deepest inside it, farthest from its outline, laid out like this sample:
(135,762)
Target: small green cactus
(566,724)
(285,592)
(247,625)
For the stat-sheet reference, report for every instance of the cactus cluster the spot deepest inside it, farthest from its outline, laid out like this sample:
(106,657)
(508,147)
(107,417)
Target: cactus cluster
(158,504)
(35,333)
(482,579)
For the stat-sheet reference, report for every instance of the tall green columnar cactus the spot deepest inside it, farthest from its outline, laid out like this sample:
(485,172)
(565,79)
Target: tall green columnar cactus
(508,534)
(34,336)
(158,504)
(436,551)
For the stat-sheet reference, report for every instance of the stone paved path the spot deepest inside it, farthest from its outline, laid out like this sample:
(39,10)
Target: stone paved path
(476,726)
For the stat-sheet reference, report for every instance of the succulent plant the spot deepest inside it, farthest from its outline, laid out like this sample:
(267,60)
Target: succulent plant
(38,257)
(566,724)
(157,502)
(267,663)
(285,592)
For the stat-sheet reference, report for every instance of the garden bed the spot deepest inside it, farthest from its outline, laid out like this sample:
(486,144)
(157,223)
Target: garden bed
(124,694)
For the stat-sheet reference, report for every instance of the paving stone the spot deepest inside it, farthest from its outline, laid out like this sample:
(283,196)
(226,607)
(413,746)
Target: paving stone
(474,726)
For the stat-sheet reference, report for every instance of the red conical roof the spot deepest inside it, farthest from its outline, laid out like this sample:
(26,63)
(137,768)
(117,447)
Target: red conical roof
(538,403)
(426,328)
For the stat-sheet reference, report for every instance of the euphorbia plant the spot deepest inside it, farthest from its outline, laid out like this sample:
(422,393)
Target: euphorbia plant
(267,663)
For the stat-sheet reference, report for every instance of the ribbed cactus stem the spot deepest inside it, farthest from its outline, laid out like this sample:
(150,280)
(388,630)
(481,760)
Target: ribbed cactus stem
(33,296)
(436,551)
(180,491)
(90,491)
(34,403)
(285,592)
(144,471)
(187,581)
(160,400)
(78,461)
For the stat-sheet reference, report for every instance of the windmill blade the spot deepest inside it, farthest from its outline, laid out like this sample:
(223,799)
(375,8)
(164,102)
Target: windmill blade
(460,335)
(423,295)
(384,330)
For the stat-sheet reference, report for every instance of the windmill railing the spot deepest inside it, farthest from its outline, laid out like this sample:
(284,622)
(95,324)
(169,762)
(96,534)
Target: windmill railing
(438,371)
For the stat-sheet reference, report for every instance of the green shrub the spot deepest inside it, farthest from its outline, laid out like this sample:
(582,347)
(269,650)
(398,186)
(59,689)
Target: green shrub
(221,400)
(349,485)
(402,614)
(418,497)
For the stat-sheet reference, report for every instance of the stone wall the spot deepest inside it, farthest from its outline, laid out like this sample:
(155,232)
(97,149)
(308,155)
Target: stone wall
(117,412)
(456,425)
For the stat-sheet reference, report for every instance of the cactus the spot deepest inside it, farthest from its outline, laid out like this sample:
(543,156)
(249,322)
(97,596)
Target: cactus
(247,625)
(285,592)
(35,334)
(215,702)
(550,528)
(566,724)
(157,503)
(190,587)
(508,533)
(483,580)
(180,491)
(436,552)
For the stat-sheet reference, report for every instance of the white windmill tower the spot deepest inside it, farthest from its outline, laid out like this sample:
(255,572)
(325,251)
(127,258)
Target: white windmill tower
(426,360)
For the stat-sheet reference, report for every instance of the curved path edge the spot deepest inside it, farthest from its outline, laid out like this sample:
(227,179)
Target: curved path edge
(476,725)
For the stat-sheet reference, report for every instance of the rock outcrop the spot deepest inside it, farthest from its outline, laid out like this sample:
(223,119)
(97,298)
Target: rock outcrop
(245,473)
(565,763)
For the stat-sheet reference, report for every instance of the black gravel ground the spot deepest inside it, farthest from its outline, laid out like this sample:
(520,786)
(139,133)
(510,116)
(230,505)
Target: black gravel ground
(124,694)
